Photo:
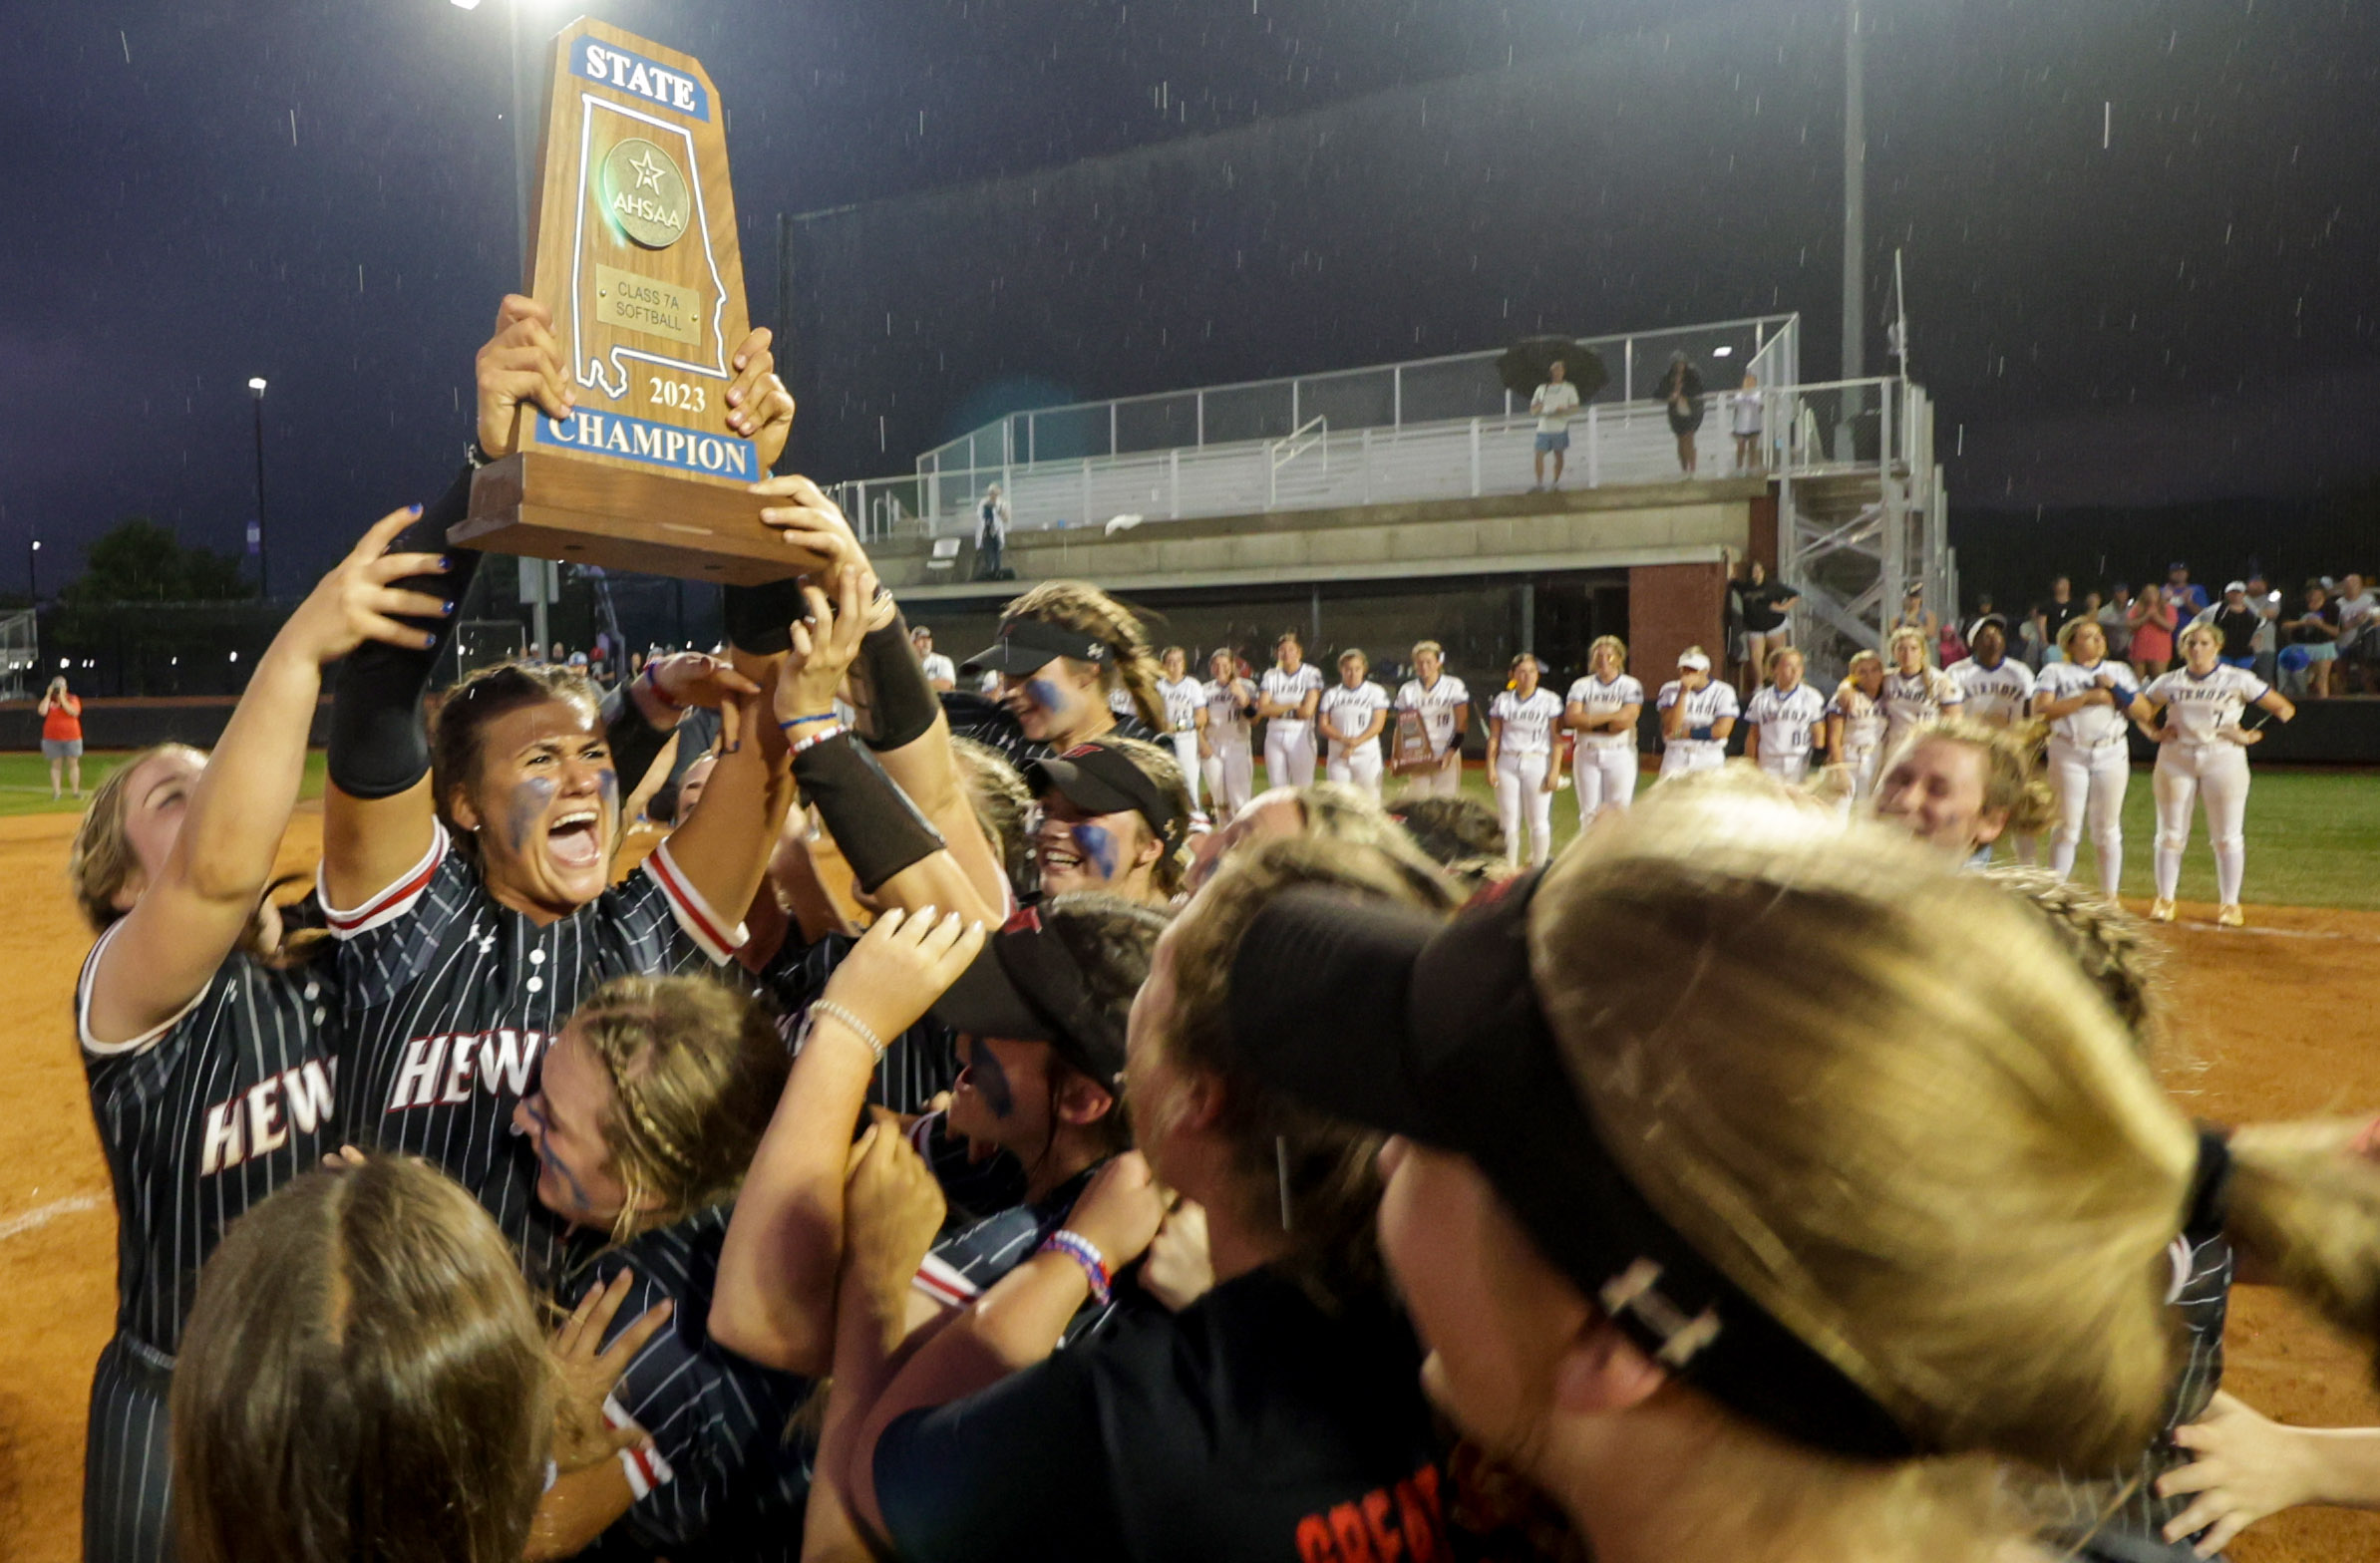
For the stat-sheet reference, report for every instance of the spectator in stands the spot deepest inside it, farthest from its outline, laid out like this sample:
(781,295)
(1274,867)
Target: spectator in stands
(1915,615)
(61,714)
(1983,610)
(2152,621)
(2267,604)
(2238,619)
(938,671)
(1681,393)
(2050,618)
(2114,620)
(2316,628)
(1760,607)
(2359,635)
(1553,401)
(2185,598)
(1746,422)
(991,535)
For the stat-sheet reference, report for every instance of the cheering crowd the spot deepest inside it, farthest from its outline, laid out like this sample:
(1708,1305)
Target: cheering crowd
(935,1135)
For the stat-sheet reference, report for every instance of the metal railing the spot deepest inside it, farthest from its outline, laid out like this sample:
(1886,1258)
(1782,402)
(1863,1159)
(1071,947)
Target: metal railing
(1382,395)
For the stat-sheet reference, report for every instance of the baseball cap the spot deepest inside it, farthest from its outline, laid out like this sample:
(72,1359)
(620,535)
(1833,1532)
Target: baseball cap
(1387,1016)
(1999,621)
(2232,586)
(1025,985)
(1026,645)
(1101,778)
(1695,660)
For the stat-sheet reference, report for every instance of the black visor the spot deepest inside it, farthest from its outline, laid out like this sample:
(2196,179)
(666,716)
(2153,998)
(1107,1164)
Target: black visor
(1394,1020)
(1100,778)
(1027,645)
(1027,986)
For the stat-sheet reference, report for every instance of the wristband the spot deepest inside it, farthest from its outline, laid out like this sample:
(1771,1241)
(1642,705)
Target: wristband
(832,729)
(788,725)
(1701,734)
(655,683)
(845,1019)
(1084,1252)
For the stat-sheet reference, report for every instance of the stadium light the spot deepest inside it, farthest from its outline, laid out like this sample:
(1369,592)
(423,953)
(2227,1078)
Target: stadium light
(257,385)
(467,5)
(1723,352)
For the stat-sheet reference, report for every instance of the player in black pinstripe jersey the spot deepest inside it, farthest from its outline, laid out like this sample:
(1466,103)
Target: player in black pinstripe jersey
(204,1036)
(468,890)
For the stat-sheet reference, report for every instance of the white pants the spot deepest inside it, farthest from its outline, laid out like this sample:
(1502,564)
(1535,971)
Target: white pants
(1445,780)
(1792,769)
(1521,784)
(2090,786)
(1607,779)
(1692,753)
(1230,780)
(1186,755)
(1358,766)
(1288,754)
(2217,773)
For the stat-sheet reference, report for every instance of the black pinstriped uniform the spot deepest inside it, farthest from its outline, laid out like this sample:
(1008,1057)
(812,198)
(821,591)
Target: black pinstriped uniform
(201,1120)
(979,1243)
(988,722)
(725,1479)
(2115,1516)
(920,1064)
(453,999)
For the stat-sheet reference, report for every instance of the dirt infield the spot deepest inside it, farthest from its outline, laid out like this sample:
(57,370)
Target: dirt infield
(2269,1016)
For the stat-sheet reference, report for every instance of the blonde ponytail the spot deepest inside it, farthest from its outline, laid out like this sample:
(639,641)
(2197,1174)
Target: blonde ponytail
(2308,1206)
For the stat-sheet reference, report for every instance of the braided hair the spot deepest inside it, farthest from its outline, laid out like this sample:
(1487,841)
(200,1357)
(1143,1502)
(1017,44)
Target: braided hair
(695,1069)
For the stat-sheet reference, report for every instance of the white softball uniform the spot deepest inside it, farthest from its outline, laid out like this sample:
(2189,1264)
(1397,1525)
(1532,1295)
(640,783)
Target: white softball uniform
(2000,696)
(1604,763)
(1183,698)
(1706,706)
(1523,750)
(1289,740)
(1345,712)
(1862,735)
(1787,722)
(2202,760)
(1441,706)
(1229,769)
(2089,765)
(1916,700)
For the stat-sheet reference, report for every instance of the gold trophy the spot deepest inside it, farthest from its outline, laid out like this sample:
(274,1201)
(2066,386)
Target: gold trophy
(636,251)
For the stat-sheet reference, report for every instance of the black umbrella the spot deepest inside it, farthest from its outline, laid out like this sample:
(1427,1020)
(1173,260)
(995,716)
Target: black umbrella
(1523,366)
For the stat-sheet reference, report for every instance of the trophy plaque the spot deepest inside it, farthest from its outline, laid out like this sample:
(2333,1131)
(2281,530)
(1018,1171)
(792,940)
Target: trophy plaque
(634,251)
(1411,752)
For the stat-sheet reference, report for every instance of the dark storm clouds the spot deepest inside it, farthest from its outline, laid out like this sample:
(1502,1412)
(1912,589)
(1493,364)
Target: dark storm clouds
(2189,310)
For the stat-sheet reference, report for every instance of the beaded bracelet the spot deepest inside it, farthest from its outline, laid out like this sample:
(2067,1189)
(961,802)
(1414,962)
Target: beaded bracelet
(653,683)
(832,729)
(1084,1252)
(850,1021)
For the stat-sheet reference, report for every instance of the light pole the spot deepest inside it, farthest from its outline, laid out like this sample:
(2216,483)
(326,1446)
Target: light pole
(1854,229)
(524,137)
(264,587)
(33,572)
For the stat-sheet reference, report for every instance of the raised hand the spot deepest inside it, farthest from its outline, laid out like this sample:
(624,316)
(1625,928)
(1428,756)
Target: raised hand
(901,966)
(522,365)
(589,1370)
(804,519)
(1120,1211)
(356,601)
(694,677)
(1180,1267)
(826,644)
(760,407)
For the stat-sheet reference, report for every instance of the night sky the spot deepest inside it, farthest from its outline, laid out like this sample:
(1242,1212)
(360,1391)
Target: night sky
(2142,237)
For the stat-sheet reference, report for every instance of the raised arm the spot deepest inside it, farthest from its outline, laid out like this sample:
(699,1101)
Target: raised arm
(775,1298)
(168,945)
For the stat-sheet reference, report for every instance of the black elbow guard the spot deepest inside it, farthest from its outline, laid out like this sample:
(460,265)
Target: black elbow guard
(872,819)
(378,743)
(896,705)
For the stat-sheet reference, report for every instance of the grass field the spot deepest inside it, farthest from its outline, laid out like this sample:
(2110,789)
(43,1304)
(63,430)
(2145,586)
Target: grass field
(2313,836)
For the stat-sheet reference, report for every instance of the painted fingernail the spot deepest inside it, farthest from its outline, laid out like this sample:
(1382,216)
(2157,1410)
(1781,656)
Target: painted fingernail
(449,608)
(417,509)
(429,641)
(445,561)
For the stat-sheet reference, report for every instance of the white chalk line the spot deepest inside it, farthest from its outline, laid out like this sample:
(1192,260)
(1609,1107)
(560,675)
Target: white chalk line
(31,1220)
(2279,933)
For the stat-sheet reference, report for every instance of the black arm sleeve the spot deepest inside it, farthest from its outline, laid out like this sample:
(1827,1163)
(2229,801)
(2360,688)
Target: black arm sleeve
(872,819)
(895,702)
(378,745)
(760,619)
(636,742)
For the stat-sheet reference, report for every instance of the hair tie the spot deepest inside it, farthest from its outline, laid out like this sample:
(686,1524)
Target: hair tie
(2209,1206)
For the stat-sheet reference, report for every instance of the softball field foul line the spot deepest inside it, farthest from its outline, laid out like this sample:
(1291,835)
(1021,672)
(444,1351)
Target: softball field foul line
(17,1226)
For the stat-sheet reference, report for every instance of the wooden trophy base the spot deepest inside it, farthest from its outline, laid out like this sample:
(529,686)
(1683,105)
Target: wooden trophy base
(548,505)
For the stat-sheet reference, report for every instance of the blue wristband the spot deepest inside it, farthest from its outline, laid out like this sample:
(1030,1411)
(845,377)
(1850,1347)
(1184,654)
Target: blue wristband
(1702,734)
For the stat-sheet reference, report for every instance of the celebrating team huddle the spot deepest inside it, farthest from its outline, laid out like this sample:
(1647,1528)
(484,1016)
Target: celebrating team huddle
(960,1129)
